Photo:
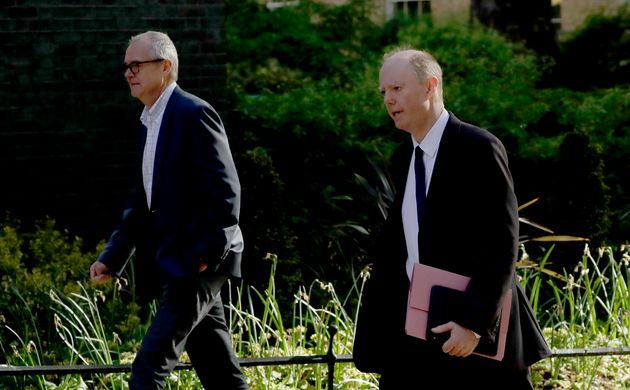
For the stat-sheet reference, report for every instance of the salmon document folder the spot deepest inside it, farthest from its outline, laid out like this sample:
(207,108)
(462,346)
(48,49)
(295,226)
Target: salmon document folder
(432,293)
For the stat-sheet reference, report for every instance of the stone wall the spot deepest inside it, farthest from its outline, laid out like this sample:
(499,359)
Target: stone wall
(67,121)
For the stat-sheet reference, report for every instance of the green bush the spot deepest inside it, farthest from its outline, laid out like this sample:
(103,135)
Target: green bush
(305,95)
(488,80)
(596,55)
(304,82)
(33,263)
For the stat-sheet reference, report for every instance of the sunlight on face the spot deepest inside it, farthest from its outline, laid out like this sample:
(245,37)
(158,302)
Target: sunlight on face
(405,96)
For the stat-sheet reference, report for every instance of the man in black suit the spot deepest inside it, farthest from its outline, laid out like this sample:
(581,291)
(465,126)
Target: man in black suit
(182,222)
(467,223)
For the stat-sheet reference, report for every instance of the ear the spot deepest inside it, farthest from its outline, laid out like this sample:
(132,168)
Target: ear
(432,86)
(166,66)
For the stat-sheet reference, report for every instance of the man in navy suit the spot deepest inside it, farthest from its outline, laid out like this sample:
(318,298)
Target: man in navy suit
(182,222)
(467,223)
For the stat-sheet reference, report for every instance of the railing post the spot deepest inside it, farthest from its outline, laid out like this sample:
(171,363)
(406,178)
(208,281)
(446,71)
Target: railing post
(331,358)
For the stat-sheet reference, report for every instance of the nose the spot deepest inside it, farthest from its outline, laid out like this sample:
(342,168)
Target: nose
(388,99)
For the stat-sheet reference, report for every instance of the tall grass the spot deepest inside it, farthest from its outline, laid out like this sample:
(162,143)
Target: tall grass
(259,331)
(585,308)
(78,324)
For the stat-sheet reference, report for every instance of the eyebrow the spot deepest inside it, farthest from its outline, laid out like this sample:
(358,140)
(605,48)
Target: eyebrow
(395,83)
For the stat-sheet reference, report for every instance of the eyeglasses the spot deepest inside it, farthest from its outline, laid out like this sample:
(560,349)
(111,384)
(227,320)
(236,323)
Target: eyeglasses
(134,67)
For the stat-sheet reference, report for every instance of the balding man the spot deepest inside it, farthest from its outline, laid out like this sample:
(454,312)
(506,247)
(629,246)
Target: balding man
(455,209)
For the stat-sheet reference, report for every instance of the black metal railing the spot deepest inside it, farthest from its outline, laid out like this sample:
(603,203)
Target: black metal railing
(330,359)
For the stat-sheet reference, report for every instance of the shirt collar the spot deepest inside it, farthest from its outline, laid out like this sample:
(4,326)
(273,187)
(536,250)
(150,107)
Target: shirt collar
(159,106)
(431,142)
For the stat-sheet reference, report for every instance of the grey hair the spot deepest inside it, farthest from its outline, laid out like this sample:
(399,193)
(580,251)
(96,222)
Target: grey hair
(423,63)
(160,46)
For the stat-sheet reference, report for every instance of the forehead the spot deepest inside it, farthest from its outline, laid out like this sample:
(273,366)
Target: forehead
(397,69)
(137,51)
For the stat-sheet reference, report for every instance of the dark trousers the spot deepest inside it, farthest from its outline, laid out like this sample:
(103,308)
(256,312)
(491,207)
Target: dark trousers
(419,366)
(190,317)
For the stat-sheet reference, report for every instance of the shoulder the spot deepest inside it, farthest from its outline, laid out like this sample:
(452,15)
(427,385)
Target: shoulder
(186,100)
(468,130)
(469,136)
(191,106)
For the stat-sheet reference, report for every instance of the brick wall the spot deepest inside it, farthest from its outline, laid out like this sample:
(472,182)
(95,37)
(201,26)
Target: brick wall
(67,122)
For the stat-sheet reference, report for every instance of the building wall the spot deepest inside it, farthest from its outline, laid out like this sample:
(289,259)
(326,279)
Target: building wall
(574,12)
(442,10)
(67,121)
(447,10)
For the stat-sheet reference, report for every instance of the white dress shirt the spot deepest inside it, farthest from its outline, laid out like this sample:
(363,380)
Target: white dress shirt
(429,146)
(151,118)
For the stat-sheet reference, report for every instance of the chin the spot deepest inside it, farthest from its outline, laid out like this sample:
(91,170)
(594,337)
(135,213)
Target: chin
(401,127)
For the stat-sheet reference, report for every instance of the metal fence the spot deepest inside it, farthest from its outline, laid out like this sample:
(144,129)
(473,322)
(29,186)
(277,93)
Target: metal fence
(330,359)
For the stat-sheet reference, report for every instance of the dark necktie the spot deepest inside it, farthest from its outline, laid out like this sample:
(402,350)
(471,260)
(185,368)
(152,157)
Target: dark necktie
(420,186)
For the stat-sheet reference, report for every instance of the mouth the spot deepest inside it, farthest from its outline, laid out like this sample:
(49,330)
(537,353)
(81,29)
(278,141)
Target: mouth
(396,113)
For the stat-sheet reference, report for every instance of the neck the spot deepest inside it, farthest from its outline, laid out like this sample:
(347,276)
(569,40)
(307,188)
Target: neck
(157,96)
(432,116)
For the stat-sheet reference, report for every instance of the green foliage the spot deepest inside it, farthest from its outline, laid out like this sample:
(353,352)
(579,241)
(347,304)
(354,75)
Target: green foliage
(304,82)
(597,54)
(587,308)
(581,166)
(603,116)
(265,223)
(32,264)
(310,41)
(10,252)
(487,80)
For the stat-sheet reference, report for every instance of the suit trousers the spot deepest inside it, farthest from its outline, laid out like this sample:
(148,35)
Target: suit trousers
(418,365)
(190,316)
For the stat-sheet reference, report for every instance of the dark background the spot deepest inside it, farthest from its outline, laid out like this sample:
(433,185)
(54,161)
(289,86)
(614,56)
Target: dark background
(67,121)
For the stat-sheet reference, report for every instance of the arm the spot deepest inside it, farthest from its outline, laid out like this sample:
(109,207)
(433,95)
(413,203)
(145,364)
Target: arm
(119,248)
(493,244)
(218,189)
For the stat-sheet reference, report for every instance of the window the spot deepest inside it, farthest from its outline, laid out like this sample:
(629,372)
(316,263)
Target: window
(408,8)
(274,5)
(556,17)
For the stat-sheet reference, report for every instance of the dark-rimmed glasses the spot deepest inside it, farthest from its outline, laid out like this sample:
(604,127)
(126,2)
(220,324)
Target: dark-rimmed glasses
(134,67)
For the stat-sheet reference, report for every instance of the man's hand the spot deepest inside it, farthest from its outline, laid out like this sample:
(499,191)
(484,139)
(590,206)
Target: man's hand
(462,342)
(99,272)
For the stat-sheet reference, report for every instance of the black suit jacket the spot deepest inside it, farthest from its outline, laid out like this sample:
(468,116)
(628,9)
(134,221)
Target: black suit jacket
(469,226)
(195,206)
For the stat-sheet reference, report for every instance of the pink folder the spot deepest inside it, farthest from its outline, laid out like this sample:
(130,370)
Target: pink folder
(423,278)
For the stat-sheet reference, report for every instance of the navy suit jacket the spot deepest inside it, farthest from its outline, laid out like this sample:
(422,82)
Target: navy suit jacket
(195,200)
(469,226)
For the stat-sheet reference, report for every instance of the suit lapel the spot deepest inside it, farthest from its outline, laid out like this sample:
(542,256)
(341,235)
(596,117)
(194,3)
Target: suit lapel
(166,128)
(447,155)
